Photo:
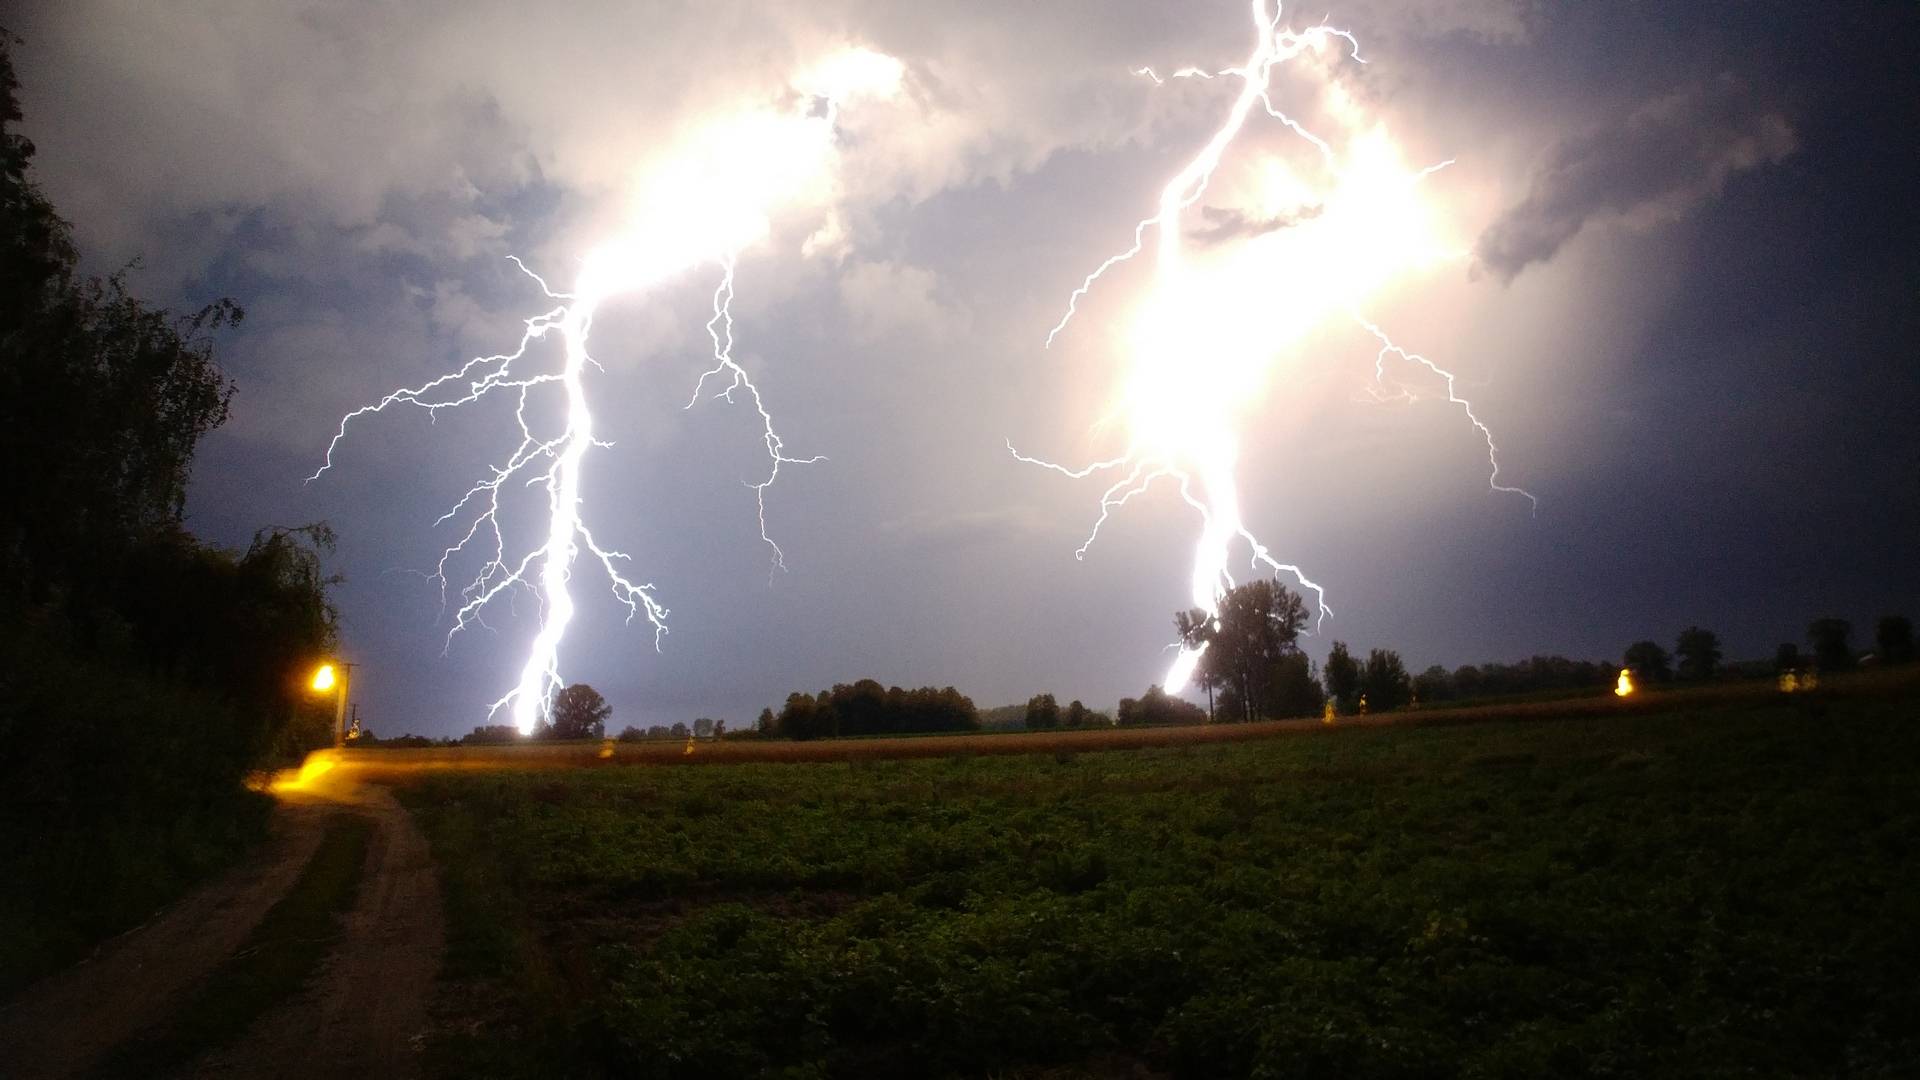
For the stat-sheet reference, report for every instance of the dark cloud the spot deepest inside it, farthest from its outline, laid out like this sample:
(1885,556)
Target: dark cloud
(1650,165)
(1225,223)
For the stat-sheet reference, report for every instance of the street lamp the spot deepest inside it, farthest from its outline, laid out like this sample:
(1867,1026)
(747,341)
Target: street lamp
(335,675)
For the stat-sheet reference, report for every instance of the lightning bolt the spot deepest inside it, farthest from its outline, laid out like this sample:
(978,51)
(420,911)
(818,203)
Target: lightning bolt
(1180,403)
(703,208)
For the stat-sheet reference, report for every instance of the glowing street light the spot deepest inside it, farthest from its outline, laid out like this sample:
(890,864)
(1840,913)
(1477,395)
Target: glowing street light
(336,675)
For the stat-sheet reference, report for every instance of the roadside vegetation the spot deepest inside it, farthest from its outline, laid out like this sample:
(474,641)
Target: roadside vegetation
(143,672)
(1706,892)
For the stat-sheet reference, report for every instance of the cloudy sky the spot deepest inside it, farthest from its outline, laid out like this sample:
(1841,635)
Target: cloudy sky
(1677,281)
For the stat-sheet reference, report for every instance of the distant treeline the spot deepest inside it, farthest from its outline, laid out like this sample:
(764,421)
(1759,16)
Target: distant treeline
(868,708)
(1530,676)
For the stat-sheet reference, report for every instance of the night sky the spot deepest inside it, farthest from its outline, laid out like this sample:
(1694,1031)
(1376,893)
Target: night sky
(1683,299)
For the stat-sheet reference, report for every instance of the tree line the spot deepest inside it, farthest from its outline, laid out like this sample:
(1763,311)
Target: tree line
(867,708)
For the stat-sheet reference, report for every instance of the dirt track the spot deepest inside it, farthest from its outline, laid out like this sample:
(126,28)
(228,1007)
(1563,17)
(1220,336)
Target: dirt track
(361,1017)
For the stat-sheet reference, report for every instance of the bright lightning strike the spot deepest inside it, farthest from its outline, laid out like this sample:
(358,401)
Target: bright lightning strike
(1207,336)
(703,206)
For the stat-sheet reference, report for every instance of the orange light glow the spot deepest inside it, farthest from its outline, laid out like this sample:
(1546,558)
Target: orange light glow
(324,679)
(1624,685)
(316,765)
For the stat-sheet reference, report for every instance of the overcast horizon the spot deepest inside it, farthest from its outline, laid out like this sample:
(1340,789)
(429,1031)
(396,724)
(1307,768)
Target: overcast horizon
(1681,296)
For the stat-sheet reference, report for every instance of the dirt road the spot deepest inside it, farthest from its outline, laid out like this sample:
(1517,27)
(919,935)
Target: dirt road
(362,1014)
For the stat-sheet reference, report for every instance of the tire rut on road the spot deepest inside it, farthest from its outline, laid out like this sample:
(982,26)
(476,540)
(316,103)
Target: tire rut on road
(66,1024)
(365,1015)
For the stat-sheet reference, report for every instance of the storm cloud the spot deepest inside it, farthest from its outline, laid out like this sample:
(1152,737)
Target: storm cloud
(1651,165)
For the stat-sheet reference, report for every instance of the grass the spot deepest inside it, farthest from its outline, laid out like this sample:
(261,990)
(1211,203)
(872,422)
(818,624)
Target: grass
(1725,889)
(276,961)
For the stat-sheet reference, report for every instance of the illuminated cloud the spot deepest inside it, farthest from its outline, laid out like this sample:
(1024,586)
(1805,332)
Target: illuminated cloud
(1650,166)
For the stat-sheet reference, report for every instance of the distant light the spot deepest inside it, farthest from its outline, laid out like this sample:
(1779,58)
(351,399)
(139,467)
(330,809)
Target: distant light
(1625,684)
(324,678)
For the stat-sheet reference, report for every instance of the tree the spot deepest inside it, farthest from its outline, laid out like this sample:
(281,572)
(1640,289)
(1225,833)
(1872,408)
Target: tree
(1077,714)
(766,724)
(579,712)
(1384,681)
(1699,653)
(1258,626)
(1292,688)
(1042,712)
(1786,657)
(719,728)
(1649,662)
(1195,628)
(1341,673)
(703,727)
(1894,636)
(103,399)
(1158,708)
(1434,684)
(1831,650)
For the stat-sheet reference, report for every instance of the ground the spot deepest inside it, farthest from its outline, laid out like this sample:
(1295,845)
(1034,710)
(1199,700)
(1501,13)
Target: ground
(206,989)
(1691,885)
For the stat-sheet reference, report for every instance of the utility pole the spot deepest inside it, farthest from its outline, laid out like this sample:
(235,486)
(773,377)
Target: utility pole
(340,705)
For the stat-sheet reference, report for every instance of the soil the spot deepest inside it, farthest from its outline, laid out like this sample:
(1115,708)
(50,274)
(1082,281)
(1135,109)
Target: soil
(364,1012)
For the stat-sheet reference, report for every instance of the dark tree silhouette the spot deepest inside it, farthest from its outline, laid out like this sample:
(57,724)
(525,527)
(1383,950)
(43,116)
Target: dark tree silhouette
(1650,662)
(1042,712)
(1384,681)
(103,399)
(579,712)
(867,708)
(1156,707)
(1894,636)
(1699,653)
(1831,648)
(1257,628)
(1433,684)
(1341,673)
(1786,657)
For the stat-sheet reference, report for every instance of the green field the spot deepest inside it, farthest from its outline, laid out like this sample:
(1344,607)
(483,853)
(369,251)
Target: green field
(1709,893)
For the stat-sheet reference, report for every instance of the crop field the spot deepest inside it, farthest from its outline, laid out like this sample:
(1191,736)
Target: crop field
(1727,888)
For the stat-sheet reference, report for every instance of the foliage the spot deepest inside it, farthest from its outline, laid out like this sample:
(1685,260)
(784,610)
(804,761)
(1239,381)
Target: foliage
(1079,716)
(143,673)
(102,398)
(1384,681)
(1249,644)
(867,708)
(579,712)
(1157,708)
(1530,676)
(1894,636)
(1434,685)
(1650,662)
(1342,676)
(1042,712)
(1699,653)
(1630,897)
(1832,650)
(1786,657)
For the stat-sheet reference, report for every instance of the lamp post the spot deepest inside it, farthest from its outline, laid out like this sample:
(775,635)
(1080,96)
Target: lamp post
(336,675)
